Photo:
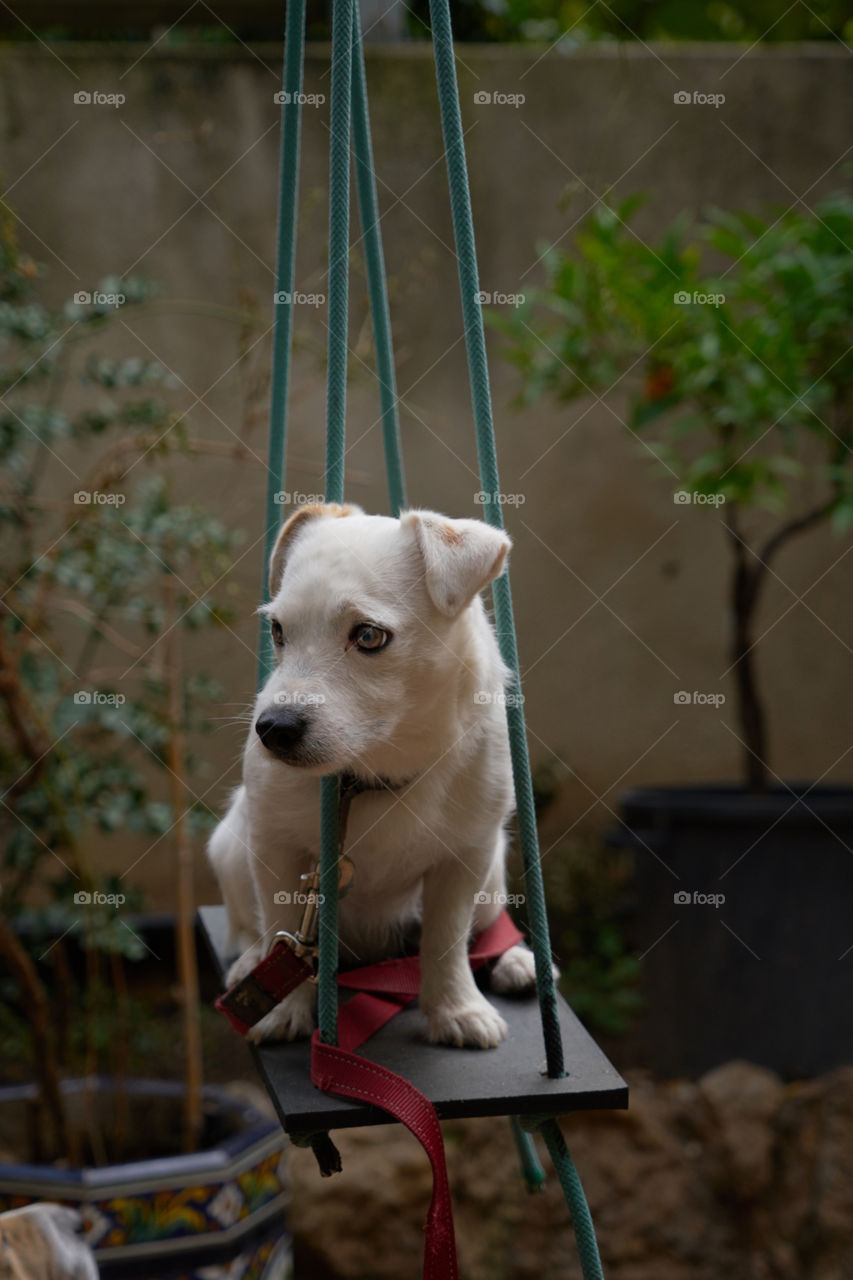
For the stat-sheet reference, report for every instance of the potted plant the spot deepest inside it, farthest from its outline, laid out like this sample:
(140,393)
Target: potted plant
(172,1179)
(735,338)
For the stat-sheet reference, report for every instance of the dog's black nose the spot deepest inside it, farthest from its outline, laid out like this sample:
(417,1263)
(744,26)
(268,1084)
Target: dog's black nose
(280,730)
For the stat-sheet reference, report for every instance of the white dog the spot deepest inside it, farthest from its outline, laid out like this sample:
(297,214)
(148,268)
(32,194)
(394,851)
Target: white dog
(387,669)
(39,1242)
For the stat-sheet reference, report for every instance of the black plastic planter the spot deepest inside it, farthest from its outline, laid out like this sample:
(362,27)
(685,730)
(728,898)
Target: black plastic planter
(745,906)
(218,1212)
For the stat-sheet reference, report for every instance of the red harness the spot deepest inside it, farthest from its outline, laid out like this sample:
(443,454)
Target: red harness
(382,990)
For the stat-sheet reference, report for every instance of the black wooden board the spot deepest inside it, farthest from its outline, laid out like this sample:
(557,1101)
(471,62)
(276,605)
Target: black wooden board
(508,1080)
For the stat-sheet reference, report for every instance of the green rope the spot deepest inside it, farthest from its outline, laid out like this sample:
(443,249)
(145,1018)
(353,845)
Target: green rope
(376,282)
(531,1168)
(575,1199)
(463,230)
(339,200)
(327,949)
(349,95)
(291,111)
(336,407)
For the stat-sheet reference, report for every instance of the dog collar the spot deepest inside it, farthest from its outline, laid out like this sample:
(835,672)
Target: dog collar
(353,786)
(290,960)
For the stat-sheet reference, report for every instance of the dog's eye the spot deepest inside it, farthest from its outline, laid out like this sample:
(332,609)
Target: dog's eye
(277,632)
(369,638)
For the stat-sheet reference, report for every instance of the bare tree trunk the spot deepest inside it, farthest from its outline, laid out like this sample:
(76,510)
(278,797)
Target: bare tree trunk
(749,575)
(185,915)
(746,581)
(28,732)
(38,1016)
(750,709)
(121,1054)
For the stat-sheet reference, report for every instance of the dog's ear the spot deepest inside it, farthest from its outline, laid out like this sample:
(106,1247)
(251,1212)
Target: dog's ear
(460,556)
(294,526)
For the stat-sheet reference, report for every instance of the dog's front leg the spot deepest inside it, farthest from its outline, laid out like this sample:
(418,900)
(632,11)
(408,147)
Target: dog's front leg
(279,908)
(457,1012)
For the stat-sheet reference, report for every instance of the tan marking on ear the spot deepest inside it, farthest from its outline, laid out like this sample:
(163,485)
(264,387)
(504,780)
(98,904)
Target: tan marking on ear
(448,534)
(292,526)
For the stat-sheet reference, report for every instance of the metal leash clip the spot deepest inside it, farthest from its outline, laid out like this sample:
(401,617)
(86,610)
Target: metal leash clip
(303,943)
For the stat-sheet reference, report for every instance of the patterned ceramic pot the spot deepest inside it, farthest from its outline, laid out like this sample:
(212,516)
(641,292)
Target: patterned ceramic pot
(217,1214)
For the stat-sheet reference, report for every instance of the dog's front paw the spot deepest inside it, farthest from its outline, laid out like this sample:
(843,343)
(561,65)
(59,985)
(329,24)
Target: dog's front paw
(515,971)
(475,1023)
(292,1018)
(245,963)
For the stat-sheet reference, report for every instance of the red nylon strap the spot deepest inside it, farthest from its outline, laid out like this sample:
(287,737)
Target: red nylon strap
(260,991)
(338,1069)
(381,991)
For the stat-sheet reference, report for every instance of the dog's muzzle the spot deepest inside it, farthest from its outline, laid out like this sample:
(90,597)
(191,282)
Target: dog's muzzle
(282,730)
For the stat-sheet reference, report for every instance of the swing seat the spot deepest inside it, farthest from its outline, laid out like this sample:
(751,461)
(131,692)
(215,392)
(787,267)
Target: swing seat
(504,1081)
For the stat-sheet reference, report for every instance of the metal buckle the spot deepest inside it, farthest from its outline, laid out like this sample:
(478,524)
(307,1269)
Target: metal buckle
(303,943)
(299,946)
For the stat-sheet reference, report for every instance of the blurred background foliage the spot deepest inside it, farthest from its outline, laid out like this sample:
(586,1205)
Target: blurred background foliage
(733,340)
(89,562)
(104,566)
(573,22)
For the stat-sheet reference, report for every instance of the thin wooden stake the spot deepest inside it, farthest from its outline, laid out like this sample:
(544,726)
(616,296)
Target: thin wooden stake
(185,913)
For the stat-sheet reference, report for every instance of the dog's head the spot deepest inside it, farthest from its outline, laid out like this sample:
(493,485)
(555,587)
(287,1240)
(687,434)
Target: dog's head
(378,630)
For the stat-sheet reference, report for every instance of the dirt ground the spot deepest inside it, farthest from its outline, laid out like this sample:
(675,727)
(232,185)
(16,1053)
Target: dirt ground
(735,1175)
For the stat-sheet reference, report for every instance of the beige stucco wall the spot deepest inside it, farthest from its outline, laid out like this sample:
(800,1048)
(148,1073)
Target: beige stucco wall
(617,590)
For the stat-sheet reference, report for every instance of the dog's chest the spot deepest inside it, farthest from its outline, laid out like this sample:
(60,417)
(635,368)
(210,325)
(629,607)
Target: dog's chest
(390,843)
